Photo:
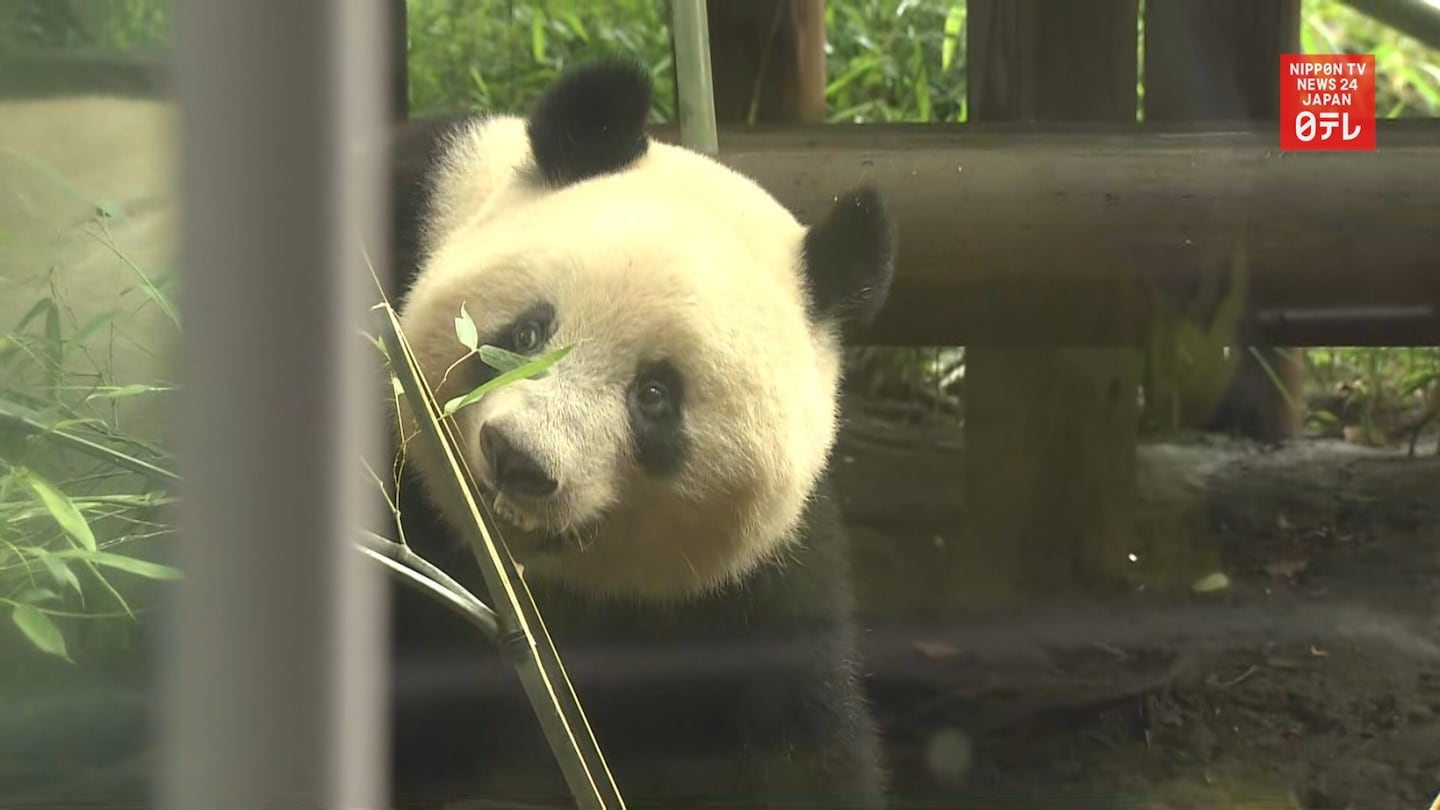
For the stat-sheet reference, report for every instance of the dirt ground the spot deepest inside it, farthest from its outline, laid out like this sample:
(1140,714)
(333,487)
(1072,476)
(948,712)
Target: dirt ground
(1307,677)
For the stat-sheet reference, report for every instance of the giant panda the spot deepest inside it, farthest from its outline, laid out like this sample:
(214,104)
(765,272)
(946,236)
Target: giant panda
(665,487)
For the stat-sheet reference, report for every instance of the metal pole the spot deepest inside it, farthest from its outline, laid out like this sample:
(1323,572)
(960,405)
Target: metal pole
(691,32)
(276,672)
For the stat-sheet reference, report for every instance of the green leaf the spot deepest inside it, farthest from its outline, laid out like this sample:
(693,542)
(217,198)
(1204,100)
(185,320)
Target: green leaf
(129,565)
(537,35)
(64,512)
(122,391)
(466,331)
(95,325)
(922,96)
(41,307)
(34,596)
(501,359)
(41,631)
(530,369)
(575,25)
(954,20)
(154,293)
(60,571)
(54,342)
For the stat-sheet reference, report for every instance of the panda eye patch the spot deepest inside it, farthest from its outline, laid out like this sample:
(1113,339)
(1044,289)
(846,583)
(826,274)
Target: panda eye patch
(657,421)
(530,331)
(528,336)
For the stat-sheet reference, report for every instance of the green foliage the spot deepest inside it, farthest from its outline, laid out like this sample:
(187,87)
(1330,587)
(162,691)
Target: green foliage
(85,24)
(1407,73)
(499,55)
(892,62)
(78,506)
(889,60)
(1380,394)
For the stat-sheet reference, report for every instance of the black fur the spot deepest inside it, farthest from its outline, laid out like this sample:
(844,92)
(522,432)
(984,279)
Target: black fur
(850,259)
(660,443)
(541,315)
(590,122)
(750,698)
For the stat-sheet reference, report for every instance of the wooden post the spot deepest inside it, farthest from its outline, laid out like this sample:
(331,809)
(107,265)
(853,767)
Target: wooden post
(1050,434)
(768,60)
(1219,60)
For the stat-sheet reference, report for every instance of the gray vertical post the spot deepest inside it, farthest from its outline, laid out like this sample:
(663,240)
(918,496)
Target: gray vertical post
(690,31)
(276,678)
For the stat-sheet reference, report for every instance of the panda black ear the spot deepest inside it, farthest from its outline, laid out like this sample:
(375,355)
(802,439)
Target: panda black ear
(850,259)
(590,122)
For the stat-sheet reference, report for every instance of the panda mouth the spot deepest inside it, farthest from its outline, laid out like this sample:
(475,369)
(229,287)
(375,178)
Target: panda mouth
(533,532)
(509,511)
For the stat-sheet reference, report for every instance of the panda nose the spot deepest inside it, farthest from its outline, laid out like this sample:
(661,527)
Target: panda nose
(516,472)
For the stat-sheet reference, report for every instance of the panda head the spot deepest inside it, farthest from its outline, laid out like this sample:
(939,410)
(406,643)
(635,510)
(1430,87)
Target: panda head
(674,449)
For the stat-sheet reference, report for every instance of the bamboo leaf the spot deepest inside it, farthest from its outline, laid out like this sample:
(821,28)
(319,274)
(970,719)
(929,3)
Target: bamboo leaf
(530,369)
(130,565)
(501,359)
(41,631)
(62,510)
(60,571)
(466,331)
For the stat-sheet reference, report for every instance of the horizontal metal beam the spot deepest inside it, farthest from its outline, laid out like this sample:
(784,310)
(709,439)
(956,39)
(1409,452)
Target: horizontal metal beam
(1032,236)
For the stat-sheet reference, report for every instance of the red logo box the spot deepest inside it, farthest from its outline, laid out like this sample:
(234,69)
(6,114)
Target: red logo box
(1327,103)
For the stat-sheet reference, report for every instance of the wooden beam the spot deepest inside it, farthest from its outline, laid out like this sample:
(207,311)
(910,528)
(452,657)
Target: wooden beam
(1018,236)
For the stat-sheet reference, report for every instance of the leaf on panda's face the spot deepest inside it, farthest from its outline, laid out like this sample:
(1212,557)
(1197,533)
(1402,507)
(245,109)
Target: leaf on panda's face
(466,331)
(501,359)
(534,368)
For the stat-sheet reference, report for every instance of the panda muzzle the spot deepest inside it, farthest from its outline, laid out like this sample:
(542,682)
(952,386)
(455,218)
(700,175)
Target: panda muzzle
(516,471)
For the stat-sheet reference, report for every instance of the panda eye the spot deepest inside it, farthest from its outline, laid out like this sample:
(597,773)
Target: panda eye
(652,397)
(528,337)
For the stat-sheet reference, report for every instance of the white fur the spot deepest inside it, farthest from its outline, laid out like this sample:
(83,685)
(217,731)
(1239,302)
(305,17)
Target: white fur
(676,257)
